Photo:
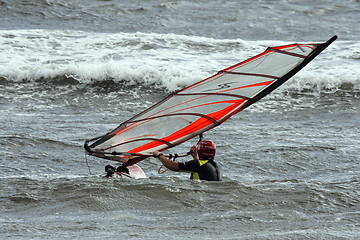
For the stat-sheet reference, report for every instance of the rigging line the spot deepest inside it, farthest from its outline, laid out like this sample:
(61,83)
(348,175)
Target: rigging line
(87,163)
(250,74)
(287,53)
(164,171)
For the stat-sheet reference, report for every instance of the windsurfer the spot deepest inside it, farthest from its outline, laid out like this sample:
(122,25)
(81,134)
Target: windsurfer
(202,166)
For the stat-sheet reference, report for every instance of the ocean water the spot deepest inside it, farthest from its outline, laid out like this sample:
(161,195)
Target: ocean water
(73,70)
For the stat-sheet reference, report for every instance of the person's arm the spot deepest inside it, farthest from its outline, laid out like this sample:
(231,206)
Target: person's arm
(126,159)
(170,164)
(194,153)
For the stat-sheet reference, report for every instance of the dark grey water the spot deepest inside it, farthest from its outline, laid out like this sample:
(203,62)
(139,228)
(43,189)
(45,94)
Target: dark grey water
(71,71)
(252,20)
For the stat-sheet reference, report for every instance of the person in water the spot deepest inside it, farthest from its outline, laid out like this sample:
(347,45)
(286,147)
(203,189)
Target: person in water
(110,170)
(202,166)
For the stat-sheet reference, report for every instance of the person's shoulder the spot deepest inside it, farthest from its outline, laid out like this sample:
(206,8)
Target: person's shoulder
(188,164)
(193,161)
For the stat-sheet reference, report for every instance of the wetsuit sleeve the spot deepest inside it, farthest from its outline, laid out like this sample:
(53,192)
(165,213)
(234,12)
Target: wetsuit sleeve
(190,166)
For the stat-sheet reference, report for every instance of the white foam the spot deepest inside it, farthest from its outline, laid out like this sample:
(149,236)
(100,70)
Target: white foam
(168,60)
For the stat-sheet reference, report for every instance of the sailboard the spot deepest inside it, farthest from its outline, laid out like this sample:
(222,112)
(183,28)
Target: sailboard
(203,105)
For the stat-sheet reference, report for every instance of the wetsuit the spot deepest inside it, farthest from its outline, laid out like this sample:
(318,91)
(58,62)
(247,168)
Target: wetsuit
(202,169)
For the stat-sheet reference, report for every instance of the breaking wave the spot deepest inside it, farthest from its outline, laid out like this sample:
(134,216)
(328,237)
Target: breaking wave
(169,61)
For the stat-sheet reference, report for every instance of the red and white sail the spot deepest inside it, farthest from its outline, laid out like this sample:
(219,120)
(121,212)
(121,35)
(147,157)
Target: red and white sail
(205,104)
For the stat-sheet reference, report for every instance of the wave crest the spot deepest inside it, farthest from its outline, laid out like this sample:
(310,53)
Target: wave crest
(153,60)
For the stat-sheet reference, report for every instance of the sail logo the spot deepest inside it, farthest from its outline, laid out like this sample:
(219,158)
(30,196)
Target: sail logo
(221,86)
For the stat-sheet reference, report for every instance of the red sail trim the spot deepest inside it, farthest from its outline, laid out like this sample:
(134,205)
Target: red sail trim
(232,68)
(166,108)
(187,108)
(216,93)
(194,127)
(229,69)
(179,93)
(268,52)
(141,139)
(252,85)
(201,126)
(119,130)
(287,53)
(135,121)
(127,128)
(294,46)
(145,120)
(179,114)
(226,70)
(250,60)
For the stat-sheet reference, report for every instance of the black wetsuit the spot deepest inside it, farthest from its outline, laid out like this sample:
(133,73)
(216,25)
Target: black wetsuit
(202,169)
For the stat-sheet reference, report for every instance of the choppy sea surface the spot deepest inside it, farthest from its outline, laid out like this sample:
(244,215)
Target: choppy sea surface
(73,70)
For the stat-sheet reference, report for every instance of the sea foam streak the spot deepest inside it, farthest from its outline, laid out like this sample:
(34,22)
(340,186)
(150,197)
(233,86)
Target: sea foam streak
(169,60)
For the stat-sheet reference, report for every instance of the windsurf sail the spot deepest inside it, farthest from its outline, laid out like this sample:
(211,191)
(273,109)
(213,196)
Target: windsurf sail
(204,105)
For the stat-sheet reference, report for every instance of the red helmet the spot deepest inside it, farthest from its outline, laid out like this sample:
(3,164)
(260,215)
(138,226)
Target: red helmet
(206,149)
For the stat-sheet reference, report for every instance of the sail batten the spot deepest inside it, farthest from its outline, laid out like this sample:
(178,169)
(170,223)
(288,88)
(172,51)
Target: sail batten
(288,53)
(250,74)
(177,114)
(206,104)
